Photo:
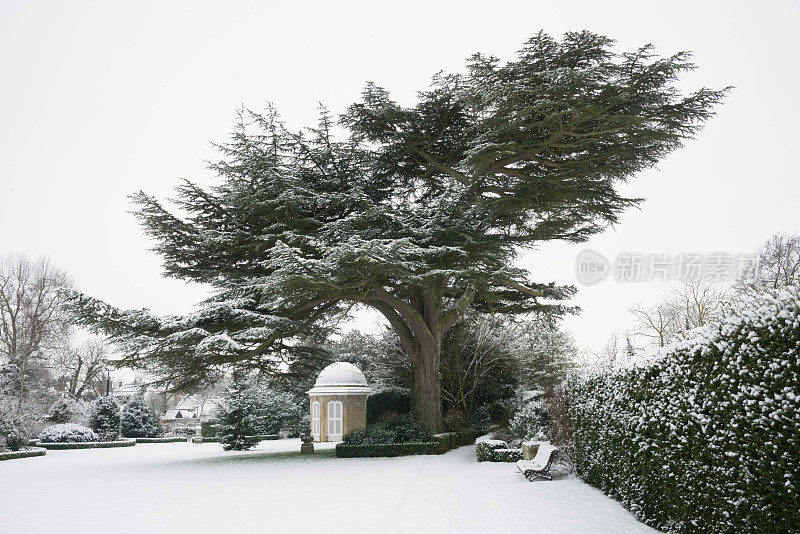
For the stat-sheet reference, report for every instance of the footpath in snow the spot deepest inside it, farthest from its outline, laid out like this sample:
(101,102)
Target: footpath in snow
(182,487)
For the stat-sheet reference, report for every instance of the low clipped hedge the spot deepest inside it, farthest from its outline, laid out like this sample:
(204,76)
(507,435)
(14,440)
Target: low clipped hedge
(386,449)
(23,453)
(452,440)
(484,449)
(260,437)
(87,444)
(704,436)
(505,455)
(168,439)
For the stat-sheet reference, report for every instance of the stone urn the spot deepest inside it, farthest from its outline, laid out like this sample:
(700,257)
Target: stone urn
(307,447)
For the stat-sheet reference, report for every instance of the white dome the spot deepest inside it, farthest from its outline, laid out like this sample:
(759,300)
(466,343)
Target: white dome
(341,374)
(340,378)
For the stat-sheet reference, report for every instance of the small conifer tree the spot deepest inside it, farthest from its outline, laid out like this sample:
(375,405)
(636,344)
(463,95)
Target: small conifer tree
(140,421)
(105,418)
(236,418)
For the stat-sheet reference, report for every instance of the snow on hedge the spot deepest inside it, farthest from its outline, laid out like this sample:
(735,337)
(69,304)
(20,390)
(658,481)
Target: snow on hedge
(67,433)
(703,435)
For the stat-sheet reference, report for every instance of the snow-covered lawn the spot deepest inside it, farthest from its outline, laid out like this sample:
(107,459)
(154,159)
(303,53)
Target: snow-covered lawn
(181,487)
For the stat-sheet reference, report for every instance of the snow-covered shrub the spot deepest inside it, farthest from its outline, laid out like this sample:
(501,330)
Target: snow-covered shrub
(530,422)
(12,435)
(505,455)
(10,379)
(483,449)
(704,435)
(67,432)
(400,429)
(138,420)
(63,410)
(105,418)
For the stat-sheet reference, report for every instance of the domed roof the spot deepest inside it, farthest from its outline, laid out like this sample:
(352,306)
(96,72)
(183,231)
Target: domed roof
(340,377)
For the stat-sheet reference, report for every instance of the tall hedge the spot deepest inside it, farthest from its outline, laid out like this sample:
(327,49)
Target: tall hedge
(705,435)
(397,400)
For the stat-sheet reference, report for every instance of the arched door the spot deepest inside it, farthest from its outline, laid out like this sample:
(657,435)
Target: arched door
(334,421)
(315,420)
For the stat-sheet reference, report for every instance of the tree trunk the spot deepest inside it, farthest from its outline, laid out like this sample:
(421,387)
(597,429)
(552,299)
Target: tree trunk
(426,393)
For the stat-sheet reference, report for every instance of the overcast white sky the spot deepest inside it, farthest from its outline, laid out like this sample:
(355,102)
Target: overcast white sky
(101,99)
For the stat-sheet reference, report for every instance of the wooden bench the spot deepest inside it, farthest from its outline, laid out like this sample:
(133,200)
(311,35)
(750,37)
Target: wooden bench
(540,466)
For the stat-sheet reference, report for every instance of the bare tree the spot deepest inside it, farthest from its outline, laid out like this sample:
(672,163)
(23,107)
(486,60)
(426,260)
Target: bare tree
(660,322)
(694,304)
(481,346)
(82,365)
(31,321)
(698,302)
(778,265)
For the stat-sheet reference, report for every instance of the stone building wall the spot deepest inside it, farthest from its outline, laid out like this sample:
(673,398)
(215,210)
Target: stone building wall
(354,412)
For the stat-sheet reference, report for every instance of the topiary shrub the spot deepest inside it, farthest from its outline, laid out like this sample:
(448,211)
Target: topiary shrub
(483,449)
(702,436)
(397,400)
(105,418)
(505,455)
(138,420)
(67,433)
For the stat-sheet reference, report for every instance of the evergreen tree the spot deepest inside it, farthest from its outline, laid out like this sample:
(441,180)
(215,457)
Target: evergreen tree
(419,213)
(105,418)
(63,410)
(236,419)
(139,420)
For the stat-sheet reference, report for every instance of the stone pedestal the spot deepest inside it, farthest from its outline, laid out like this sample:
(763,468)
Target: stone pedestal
(529,449)
(308,446)
(198,435)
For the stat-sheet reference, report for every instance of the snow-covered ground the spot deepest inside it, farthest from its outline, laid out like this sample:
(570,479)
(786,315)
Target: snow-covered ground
(181,487)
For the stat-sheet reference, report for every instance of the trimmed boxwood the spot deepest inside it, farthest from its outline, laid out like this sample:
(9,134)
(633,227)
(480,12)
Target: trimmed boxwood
(484,449)
(386,449)
(451,440)
(169,439)
(23,453)
(88,444)
(260,437)
(505,455)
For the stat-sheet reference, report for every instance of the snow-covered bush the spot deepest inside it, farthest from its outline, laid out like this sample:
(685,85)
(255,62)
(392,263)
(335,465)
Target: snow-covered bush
(530,422)
(67,432)
(12,435)
(105,418)
(505,455)
(63,410)
(483,449)
(138,420)
(400,429)
(704,435)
